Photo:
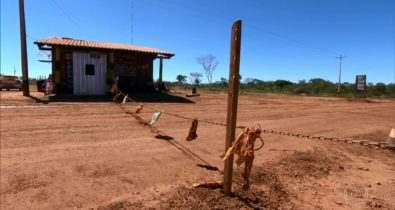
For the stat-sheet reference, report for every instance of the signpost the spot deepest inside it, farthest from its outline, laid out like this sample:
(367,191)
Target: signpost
(360,83)
(233,93)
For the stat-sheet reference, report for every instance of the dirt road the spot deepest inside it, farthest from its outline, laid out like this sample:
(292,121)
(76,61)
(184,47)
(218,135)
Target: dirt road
(95,156)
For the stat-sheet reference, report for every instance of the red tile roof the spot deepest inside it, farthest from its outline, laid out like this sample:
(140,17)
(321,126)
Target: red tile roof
(69,42)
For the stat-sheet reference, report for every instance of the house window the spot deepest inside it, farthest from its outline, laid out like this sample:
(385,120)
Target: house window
(89,69)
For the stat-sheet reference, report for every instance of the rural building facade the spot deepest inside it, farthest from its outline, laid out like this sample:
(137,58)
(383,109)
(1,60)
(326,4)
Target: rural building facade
(82,67)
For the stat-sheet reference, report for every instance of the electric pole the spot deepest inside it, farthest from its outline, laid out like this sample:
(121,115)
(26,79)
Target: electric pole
(25,76)
(340,71)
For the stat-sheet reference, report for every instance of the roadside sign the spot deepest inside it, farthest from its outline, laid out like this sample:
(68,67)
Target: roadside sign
(360,83)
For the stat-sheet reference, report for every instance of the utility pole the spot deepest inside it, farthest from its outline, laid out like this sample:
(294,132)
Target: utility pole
(25,76)
(233,93)
(340,71)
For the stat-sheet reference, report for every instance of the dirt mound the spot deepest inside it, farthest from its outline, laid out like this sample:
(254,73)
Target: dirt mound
(277,193)
(203,198)
(299,165)
(312,163)
(183,197)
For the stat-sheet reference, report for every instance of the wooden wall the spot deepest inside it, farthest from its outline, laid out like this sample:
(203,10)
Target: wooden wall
(137,68)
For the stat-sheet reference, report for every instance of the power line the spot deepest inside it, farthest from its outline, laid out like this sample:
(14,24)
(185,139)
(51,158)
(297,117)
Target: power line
(300,43)
(67,15)
(31,38)
(182,10)
(252,28)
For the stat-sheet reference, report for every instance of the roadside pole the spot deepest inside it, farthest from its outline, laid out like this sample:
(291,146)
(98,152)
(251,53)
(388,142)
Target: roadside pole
(233,93)
(25,76)
(341,57)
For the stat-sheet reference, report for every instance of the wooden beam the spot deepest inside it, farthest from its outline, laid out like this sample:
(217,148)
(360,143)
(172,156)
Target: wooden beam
(44,48)
(45,61)
(163,56)
(233,93)
(160,69)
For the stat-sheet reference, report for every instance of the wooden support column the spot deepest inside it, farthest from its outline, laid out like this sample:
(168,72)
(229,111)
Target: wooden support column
(160,69)
(25,72)
(233,93)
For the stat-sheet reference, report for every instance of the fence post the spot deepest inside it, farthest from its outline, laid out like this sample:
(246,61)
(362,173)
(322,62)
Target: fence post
(233,93)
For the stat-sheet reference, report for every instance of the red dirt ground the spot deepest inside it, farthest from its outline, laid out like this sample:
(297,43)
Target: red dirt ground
(74,155)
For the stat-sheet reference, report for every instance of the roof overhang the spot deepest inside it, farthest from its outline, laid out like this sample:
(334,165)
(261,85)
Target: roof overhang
(48,44)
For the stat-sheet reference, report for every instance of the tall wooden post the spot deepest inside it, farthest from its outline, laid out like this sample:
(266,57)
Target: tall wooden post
(25,76)
(233,93)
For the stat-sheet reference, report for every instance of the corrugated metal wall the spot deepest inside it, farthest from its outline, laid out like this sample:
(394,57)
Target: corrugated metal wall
(89,84)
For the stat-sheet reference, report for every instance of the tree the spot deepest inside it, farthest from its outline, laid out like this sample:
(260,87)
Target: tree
(224,81)
(181,78)
(195,78)
(319,86)
(253,81)
(209,63)
(197,81)
(282,83)
(379,89)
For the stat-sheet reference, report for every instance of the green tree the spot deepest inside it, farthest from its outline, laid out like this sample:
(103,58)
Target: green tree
(224,81)
(181,78)
(391,89)
(379,89)
(319,86)
(282,84)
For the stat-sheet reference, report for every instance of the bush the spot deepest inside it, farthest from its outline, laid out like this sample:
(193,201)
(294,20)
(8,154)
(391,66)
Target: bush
(315,86)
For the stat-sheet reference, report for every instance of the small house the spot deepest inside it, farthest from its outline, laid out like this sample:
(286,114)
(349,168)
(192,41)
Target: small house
(85,68)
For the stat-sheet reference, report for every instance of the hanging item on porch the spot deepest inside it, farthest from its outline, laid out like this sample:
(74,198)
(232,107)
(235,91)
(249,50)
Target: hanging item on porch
(114,89)
(125,99)
(243,147)
(192,131)
(155,117)
(139,109)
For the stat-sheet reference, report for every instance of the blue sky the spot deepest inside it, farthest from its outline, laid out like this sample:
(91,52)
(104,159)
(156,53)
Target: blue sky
(281,39)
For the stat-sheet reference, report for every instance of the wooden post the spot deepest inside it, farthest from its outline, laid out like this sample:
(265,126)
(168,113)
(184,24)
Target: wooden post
(233,93)
(160,69)
(25,76)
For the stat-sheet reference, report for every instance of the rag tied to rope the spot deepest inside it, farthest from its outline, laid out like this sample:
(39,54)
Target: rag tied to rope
(243,147)
(192,131)
(139,109)
(114,89)
(155,117)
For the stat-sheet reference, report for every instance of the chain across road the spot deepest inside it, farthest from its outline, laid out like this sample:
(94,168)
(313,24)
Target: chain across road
(368,143)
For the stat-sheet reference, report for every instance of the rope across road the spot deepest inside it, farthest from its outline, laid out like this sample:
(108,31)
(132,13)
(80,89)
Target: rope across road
(368,143)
